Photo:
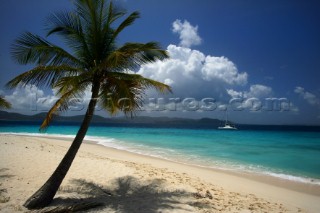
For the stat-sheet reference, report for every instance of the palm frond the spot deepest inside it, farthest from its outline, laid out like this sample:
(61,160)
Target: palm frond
(62,104)
(121,95)
(43,76)
(69,27)
(113,15)
(144,83)
(92,20)
(127,22)
(81,82)
(126,92)
(132,55)
(108,38)
(4,104)
(32,49)
(70,89)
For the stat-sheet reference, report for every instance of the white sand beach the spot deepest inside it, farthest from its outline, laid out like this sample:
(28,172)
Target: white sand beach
(119,181)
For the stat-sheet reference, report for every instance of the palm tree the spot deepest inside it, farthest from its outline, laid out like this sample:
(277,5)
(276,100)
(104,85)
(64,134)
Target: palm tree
(4,104)
(92,61)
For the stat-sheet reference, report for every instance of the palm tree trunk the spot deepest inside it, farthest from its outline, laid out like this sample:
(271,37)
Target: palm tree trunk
(44,196)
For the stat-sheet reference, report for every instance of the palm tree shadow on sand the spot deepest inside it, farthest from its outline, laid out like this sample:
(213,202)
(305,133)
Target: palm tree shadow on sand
(4,176)
(127,195)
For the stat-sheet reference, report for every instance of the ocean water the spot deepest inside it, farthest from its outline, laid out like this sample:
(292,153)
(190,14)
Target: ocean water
(293,155)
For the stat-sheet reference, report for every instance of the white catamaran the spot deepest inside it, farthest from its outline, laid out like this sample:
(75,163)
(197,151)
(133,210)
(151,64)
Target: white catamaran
(227,125)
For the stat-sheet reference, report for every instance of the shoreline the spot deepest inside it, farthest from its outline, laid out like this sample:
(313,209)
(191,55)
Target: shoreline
(295,196)
(309,188)
(297,182)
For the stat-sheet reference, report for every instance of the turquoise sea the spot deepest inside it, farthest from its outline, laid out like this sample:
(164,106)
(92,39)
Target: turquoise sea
(293,155)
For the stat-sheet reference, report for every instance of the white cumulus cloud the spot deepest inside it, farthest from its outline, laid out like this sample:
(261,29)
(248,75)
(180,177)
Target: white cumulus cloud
(254,97)
(259,91)
(30,99)
(188,34)
(309,97)
(255,91)
(224,69)
(192,73)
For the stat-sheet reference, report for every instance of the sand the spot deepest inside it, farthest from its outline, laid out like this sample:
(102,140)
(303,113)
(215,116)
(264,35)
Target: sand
(119,181)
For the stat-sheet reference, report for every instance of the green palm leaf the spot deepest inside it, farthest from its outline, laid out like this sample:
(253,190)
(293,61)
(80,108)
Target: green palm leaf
(4,104)
(133,55)
(126,92)
(127,22)
(32,49)
(43,76)
(62,104)
(69,27)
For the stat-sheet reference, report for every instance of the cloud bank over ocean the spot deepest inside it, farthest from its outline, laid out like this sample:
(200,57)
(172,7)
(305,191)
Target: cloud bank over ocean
(191,74)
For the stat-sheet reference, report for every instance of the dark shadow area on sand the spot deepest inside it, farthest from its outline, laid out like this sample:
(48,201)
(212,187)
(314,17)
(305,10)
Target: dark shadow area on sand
(4,176)
(126,195)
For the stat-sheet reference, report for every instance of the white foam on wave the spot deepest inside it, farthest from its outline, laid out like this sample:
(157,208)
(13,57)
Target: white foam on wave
(260,170)
(107,142)
(175,156)
(293,178)
(134,148)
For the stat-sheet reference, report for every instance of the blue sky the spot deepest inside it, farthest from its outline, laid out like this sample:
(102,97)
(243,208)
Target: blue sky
(223,50)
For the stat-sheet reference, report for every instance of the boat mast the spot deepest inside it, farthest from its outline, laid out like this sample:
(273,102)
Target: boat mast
(226,117)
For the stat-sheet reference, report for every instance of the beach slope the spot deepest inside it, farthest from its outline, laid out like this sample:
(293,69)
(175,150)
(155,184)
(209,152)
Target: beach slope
(108,180)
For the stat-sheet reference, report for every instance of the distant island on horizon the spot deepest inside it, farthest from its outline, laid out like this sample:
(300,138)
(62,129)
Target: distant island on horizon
(146,121)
